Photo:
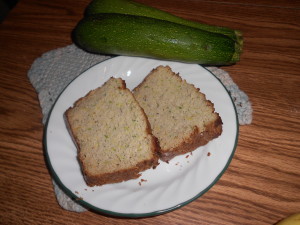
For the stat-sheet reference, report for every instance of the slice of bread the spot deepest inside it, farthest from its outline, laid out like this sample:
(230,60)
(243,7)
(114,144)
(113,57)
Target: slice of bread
(181,117)
(112,134)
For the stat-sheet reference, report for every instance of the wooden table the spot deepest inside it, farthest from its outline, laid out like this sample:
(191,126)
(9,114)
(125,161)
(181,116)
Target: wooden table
(261,185)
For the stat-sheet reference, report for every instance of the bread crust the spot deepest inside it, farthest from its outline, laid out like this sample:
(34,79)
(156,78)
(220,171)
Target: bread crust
(195,140)
(120,175)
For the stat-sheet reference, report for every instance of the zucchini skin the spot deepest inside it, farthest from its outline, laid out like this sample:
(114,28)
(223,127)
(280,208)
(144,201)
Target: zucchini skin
(120,34)
(129,7)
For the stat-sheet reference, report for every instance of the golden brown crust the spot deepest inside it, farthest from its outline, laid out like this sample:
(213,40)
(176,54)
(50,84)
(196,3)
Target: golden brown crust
(119,176)
(196,140)
(122,175)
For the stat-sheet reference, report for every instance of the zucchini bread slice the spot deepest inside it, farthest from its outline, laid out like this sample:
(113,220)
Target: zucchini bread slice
(112,134)
(181,117)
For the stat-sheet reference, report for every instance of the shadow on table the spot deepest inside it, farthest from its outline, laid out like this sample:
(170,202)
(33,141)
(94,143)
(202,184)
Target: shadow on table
(5,7)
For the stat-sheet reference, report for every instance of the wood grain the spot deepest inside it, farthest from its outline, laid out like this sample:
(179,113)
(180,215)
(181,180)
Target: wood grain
(261,185)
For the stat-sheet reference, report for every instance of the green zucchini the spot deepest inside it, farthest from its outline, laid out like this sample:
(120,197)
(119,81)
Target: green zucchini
(138,9)
(121,34)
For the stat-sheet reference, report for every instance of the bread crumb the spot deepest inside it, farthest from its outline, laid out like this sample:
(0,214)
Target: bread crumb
(208,154)
(142,180)
(76,192)
(187,156)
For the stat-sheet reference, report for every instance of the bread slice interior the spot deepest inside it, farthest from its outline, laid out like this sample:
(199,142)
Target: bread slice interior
(181,117)
(112,134)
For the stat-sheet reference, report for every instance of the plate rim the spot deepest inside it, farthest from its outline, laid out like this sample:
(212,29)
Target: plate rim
(89,206)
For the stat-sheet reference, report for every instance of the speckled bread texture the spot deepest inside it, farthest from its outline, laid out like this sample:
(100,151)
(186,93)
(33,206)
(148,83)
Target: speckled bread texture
(112,134)
(181,117)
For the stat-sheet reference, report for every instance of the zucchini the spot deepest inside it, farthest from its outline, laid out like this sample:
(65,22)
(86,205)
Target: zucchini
(138,9)
(121,34)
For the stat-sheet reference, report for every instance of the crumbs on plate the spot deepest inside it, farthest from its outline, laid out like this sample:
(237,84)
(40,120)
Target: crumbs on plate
(142,180)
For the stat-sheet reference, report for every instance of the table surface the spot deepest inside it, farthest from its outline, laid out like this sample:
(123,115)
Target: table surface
(262,183)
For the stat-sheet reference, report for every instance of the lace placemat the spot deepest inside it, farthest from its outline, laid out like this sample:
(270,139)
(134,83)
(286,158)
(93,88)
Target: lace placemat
(54,70)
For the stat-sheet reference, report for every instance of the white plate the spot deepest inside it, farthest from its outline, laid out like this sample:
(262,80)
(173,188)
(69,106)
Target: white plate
(169,186)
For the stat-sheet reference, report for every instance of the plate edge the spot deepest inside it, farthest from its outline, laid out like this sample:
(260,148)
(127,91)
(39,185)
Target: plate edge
(83,203)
